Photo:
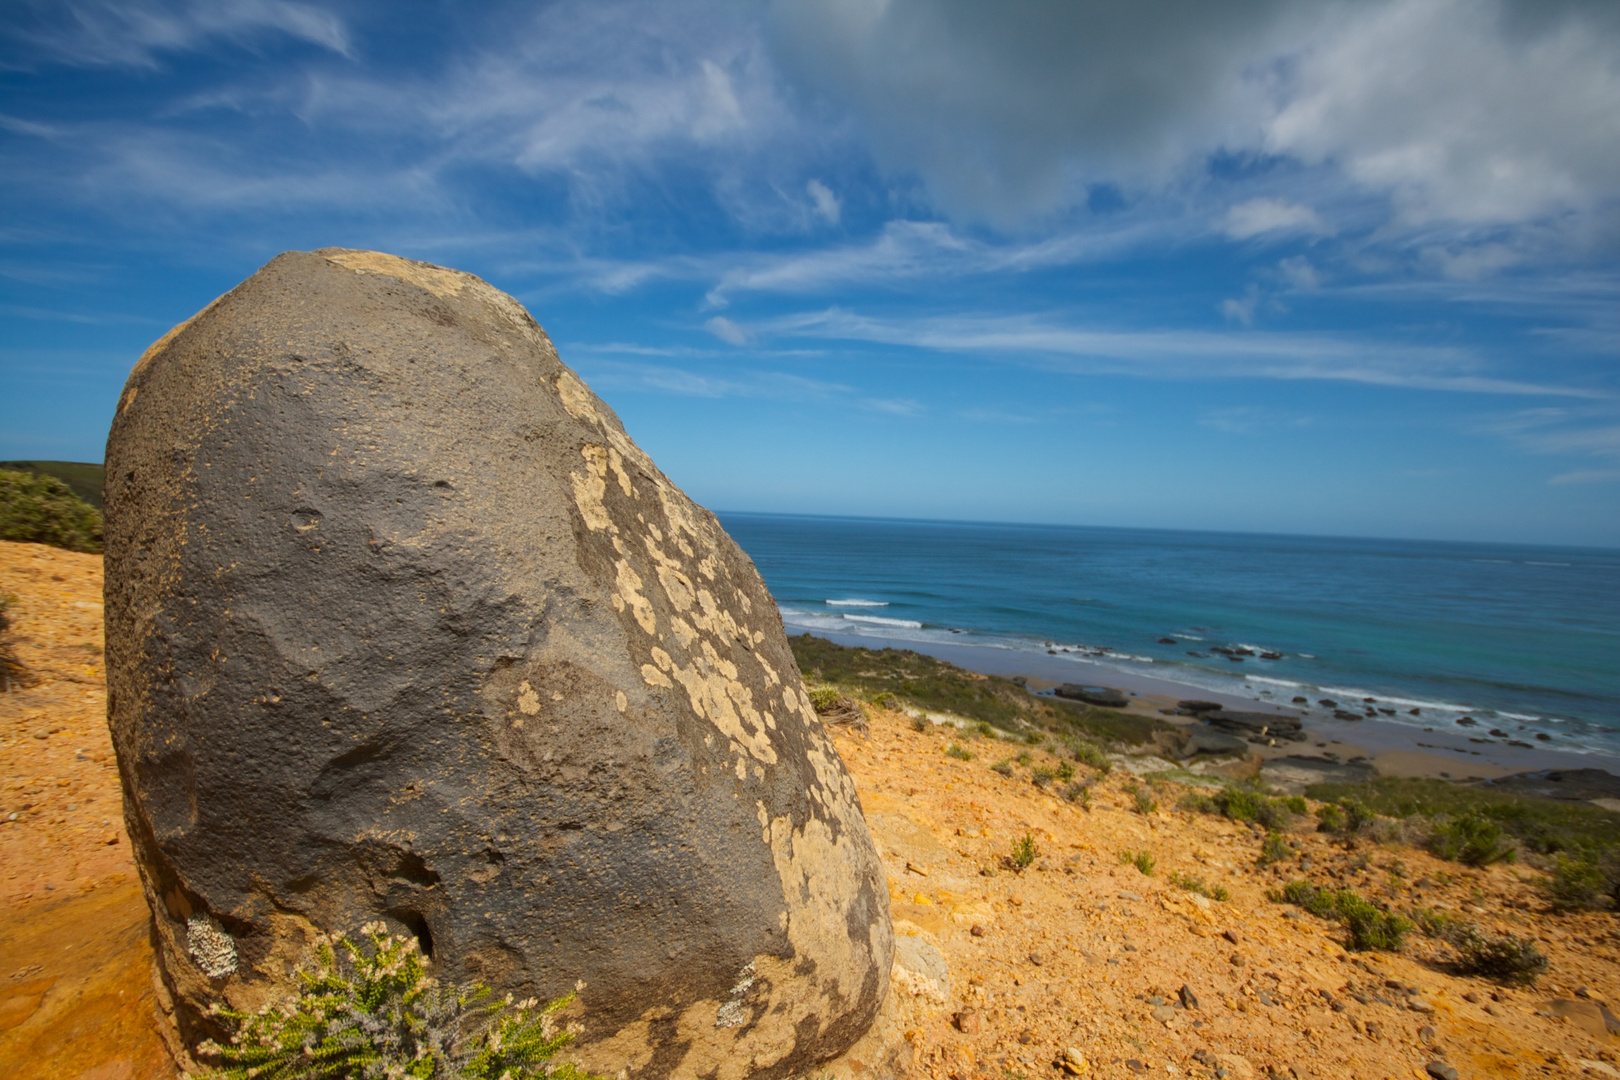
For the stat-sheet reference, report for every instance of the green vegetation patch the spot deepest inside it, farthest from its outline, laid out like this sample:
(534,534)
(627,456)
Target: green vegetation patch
(1545,826)
(39,509)
(1369,926)
(83,477)
(374,1011)
(936,685)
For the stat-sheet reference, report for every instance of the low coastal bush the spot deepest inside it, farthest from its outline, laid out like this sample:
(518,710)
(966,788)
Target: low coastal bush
(959,752)
(1544,826)
(1024,852)
(1142,860)
(1369,926)
(363,1012)
(1004,767)
(1040,776)
(1194,884)
(1090,755)
(1473,840)
(1273,849)
(1247,802)
(40,509)
(1503,957)
(1435,924)
(1141,798)
(1347,817)
(919,722)
(1576,882)
(1077,792)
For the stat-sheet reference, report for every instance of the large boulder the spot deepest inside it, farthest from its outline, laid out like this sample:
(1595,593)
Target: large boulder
(401,625)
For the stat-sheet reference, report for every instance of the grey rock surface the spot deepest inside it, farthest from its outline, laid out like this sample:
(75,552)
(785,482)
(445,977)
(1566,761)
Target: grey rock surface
(401,625)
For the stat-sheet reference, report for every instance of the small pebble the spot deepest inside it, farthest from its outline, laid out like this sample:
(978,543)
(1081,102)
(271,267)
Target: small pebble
(1189,1000)
(966,1021)
(1134,1065)
(1441,1071)
(1233,936)
(1237,960)
(976,930)
(1037,959)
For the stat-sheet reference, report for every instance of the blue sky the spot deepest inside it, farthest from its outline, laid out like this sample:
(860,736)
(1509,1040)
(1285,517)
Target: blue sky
(1323,267)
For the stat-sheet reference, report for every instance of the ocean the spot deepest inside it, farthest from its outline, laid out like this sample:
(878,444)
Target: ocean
(1522,639)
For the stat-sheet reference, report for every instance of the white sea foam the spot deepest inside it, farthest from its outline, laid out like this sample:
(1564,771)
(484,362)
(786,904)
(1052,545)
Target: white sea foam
(879,620)
(857,603)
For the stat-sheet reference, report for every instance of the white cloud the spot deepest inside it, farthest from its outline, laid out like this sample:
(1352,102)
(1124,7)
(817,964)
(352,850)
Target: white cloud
(826,203)
(1461,111)
(133,33)
(1197,354)
(1298,273)
(1241,309)
(1587,476)
(1259,216)
(727,331)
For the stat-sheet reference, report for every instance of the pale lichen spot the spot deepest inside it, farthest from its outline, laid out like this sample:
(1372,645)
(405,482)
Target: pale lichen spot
(657,533)
(663,660)
(616,463)
(677,586)
(577,398)
(653,677)
(708,565)
(591,486)
(628,584)
(683,632)
(742,768)
(620,700)
(528,701)
(771,677)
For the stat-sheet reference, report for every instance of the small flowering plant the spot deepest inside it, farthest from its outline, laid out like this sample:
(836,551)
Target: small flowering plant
(374,1013)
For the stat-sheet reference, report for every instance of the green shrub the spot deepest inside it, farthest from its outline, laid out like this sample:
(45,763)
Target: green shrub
(985,729)
(1273,849)
(1004,767)
(886,700)
(11,669)
(1040,776)
(1576,882)
(39,509)
(1065,771)
(1197,802)
(1091,755)
(1142,860)
(1024,852)
(1077,793)
(1244,802)
(959,752)
(919,722)
(1503,957)
(1369,926)
(1024,759)
(1473,840)
(1330,818)
(1435,924)
(1141,798)
(364,1013)
(1195,884)
(823,698)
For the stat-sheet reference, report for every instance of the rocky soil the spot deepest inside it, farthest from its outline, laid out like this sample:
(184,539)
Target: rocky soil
(1075,966)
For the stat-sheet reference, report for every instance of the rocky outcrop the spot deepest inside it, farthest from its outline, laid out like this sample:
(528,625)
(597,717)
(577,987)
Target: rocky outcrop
(1103,696)
(401,625)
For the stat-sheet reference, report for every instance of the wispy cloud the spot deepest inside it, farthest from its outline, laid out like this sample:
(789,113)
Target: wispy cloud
(1176,353)
(136,33)
(1259,216)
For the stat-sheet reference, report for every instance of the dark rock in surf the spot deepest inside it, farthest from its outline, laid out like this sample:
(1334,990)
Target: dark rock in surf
(1196,707)
(402,626)
(1093,695)
(1255,723)
(1209,741)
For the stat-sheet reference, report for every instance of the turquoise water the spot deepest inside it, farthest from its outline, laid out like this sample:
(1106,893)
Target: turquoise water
(1523,638)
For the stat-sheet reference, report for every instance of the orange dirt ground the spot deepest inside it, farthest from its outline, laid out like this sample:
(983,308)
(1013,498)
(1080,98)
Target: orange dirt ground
(1067,955)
